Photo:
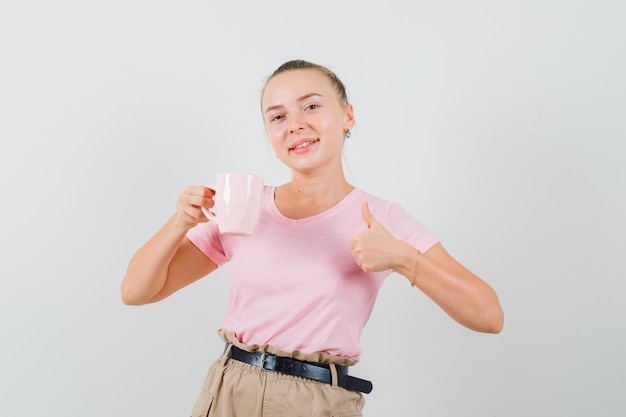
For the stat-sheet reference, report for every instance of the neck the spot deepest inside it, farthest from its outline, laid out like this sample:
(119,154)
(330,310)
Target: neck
(320,188)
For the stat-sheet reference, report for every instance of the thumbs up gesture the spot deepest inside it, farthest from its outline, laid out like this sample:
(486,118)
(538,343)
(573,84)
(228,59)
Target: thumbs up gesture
(374,249)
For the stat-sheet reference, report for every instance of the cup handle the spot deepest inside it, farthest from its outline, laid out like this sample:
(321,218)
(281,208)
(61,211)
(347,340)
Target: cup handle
(209,214)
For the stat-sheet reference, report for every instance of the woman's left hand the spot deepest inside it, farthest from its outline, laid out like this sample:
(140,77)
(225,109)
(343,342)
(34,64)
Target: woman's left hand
(375,249)
(461,294)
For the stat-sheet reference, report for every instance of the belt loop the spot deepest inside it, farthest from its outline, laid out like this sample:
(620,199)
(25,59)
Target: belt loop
(333,375)
(224,357)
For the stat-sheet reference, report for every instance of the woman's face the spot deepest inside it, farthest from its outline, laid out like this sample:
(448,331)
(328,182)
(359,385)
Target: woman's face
(305,120)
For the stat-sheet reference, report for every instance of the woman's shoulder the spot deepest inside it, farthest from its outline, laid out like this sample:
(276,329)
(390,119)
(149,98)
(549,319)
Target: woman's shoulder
(374,201)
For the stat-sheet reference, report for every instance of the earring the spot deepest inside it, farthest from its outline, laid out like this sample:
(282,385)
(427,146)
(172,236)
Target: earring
(347,134)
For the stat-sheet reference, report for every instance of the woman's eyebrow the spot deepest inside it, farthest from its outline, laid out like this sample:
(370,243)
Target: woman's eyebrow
(302,98)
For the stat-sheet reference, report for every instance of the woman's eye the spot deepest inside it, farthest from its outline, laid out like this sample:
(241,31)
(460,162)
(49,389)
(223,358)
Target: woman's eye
(276,117)
(312,106)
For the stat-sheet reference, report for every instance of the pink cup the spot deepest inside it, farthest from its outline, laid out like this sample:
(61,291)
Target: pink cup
(237,202)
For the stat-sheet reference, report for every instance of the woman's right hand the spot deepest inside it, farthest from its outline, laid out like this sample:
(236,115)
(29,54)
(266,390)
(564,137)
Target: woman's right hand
(190,203)
(168,261)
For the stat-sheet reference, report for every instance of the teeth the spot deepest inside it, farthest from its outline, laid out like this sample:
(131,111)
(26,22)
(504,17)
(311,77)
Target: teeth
(302,145)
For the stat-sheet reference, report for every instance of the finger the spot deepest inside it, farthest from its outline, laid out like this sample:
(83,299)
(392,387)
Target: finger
(208,194)
(367,215)
(199,190)
(352,244)
(195,201)
(198,196)
(190,215)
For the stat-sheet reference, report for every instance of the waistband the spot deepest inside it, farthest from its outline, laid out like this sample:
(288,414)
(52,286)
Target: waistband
(311,370)
(230,338)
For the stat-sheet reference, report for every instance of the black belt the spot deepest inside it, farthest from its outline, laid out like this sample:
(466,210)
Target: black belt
(311,370)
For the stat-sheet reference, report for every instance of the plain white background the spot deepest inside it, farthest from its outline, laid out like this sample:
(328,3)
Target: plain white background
(498,124)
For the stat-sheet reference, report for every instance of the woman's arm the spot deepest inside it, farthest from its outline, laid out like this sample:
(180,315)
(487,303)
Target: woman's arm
(461,294)
(169,261)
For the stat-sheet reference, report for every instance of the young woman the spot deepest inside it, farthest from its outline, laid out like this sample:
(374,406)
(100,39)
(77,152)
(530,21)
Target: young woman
(303,286)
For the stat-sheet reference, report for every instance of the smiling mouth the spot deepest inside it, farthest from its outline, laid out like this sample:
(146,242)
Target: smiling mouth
(304,145)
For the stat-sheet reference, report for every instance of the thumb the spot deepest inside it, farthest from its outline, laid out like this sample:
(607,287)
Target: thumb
(367,215)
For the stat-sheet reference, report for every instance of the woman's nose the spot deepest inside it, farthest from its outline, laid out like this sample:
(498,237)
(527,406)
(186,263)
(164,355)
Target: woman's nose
(296,124)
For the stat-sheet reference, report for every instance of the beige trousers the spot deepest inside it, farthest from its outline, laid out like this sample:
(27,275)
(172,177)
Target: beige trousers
(236,389)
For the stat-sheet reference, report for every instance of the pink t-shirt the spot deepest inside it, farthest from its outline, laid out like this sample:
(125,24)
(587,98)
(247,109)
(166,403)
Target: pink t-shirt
(294,283)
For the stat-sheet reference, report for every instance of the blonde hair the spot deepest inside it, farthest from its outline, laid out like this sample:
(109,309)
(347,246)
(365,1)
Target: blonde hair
(299,64)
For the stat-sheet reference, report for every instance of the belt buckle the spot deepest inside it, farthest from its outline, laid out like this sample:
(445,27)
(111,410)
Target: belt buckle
(262,363)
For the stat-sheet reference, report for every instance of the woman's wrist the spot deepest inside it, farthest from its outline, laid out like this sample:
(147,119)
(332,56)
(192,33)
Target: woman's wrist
(408,262)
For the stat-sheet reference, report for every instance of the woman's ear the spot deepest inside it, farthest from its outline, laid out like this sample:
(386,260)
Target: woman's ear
(349,122)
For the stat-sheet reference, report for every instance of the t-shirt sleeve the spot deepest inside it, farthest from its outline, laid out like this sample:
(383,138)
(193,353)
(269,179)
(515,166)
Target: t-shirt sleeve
(207,238)
(404,227)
